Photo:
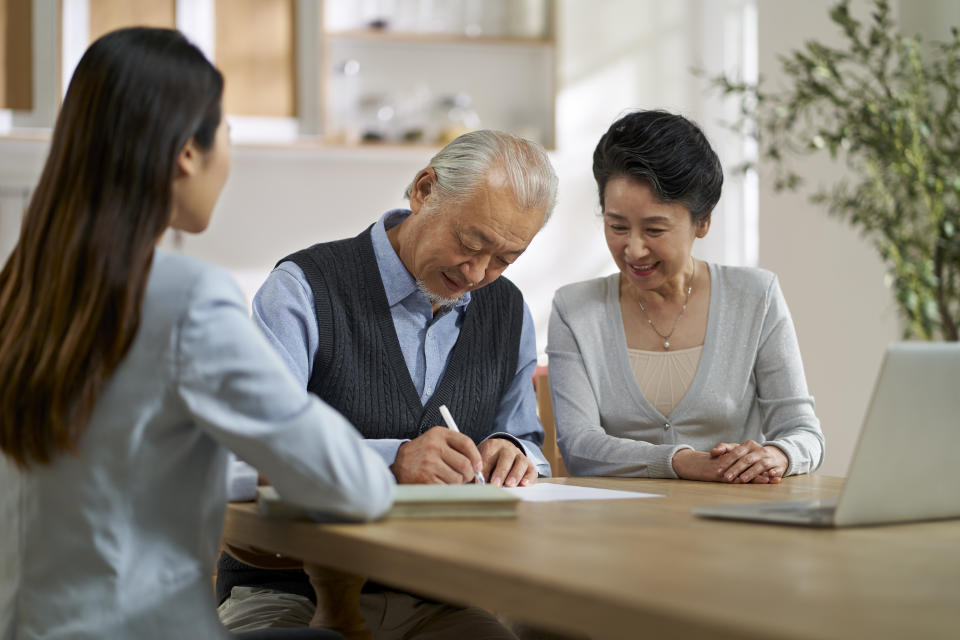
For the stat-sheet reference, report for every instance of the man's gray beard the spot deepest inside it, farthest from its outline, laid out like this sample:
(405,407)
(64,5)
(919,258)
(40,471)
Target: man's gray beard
(444,303)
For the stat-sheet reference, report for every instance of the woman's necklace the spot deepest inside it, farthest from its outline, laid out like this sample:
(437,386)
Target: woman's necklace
(666,338)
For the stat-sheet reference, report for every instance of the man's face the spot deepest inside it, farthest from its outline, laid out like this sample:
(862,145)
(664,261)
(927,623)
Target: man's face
(454,247)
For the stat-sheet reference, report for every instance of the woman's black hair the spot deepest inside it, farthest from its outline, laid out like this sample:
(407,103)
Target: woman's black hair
(668,152)
(71,292)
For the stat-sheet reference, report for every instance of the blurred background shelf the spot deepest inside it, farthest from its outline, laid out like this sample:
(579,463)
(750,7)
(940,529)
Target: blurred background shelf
(344,71)
(449,38)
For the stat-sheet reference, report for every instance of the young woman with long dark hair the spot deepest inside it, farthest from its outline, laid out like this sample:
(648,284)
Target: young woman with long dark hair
(126,372)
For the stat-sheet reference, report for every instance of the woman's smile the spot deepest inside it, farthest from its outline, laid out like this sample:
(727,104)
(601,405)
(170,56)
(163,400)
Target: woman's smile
(645,269)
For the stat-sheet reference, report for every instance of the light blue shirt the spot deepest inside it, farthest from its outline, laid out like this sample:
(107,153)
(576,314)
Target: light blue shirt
(284,309)
(118,539)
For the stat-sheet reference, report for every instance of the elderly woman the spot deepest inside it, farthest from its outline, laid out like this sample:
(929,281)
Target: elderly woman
(674,367)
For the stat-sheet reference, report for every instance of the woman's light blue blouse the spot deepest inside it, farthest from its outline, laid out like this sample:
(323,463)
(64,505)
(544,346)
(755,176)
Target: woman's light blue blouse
(119,540)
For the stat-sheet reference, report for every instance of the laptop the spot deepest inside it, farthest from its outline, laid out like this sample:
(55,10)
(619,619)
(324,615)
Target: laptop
(904,467)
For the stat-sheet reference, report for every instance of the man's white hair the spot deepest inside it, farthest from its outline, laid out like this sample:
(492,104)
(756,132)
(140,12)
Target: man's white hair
(463,166)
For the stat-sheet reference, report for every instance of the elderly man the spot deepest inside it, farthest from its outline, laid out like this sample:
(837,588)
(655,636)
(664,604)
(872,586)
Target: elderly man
(388,326)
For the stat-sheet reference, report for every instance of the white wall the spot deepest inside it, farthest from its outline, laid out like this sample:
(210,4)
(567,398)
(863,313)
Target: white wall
(20,165)
(932,19)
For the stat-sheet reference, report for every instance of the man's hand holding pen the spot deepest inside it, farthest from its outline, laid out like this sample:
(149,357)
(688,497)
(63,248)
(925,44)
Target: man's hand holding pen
(446,456)
(503,462)
(437,456)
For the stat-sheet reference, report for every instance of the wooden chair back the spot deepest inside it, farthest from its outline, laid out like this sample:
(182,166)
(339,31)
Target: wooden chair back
(551,451)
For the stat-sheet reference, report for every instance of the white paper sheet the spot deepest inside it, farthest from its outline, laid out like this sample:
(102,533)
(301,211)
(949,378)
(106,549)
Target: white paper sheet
(551,492)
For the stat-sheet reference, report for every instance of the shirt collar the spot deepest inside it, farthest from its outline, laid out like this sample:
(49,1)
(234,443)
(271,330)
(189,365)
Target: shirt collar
(397,281)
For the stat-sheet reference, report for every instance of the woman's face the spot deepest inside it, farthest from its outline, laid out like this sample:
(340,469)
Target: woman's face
(201,178)
(649,240)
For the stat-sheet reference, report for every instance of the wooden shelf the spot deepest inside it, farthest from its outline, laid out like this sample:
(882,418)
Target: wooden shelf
(16,54)
(285,82)
(409,37)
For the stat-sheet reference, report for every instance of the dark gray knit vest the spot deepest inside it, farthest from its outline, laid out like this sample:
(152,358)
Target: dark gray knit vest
(359,368)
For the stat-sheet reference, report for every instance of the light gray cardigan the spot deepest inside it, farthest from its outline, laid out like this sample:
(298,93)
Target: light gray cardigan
(749,383)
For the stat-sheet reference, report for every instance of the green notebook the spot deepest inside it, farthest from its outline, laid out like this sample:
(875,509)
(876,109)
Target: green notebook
(412,501)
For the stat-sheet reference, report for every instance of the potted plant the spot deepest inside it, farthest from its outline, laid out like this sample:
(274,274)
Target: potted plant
(888,107)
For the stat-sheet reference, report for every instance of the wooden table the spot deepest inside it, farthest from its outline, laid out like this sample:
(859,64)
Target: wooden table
(632,568)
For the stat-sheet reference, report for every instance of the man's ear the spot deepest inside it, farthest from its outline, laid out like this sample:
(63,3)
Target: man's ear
(188,160)
(423,186)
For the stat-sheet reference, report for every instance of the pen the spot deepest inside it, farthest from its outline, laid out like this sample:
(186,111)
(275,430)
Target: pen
(448,420)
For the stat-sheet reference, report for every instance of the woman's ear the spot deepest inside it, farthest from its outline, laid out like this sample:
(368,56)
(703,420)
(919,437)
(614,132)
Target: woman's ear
(422,187)
(703,226)
(188,159)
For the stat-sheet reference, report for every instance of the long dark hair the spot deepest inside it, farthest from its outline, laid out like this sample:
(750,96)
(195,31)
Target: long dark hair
(668,152)
(72,291)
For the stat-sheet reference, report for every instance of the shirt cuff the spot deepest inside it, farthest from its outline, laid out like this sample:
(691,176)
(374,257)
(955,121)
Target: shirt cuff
(668,471)
(532,453)
(386,448)
(786,449)
(241,480)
